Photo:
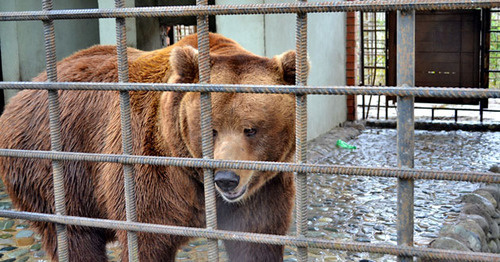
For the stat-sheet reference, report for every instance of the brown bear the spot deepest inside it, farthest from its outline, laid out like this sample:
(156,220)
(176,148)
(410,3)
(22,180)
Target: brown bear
(246,127)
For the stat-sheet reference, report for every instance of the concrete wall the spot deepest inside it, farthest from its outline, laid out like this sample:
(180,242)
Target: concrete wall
(148,29)
(271,35)
(22,42)
(107,26)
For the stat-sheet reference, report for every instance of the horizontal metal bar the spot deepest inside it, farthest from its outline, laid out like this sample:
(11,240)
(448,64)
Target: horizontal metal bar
(257,165)
(375,67)
(281,8)
(253,237)
(437,108)
(302,90)
(374,30)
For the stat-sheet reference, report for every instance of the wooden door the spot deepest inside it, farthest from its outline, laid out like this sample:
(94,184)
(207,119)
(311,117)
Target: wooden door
(447,45)
(447,51)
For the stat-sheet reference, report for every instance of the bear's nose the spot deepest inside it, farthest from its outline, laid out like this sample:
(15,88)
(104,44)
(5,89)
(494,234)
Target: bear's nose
(226,180)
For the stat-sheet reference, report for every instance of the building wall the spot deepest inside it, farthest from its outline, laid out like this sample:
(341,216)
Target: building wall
(22,42)
(107,26)
(273,34)
(248,30)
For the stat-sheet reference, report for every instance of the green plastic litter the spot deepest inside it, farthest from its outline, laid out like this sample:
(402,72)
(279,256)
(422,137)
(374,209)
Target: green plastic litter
(343,144)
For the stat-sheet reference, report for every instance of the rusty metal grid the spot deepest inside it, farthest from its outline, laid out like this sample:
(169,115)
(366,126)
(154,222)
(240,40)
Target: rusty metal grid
(405,173)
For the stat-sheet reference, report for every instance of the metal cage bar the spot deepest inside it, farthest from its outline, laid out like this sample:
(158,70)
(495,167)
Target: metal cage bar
(126,132)
(301,129)
(281,8)
(55,133)
(259,165)
(206,130)
(449,255)
(405,128)
(262,89)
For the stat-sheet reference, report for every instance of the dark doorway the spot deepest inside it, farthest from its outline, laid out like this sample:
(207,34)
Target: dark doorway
(452,49)
(447,52)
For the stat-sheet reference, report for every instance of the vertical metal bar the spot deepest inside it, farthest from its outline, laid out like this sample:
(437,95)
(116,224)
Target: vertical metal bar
(481,111)
(362,52)
(126,129)
(456,115)
(405,126)
(378,107)
(301,130)
(363,106)
(55,133)
(369,106)
(206,130)
(386,108)
(485,61)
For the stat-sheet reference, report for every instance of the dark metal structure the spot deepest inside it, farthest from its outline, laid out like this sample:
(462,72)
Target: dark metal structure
(452,49)
(406,94)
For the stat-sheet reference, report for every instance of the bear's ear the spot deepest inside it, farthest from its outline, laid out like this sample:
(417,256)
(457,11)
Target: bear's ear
(286,63)
(184,64)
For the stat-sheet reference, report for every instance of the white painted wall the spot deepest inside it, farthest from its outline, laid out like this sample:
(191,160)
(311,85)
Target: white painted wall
(273,34)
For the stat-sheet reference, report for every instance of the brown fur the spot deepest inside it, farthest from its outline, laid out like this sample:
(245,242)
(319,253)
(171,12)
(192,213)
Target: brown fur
(163,124)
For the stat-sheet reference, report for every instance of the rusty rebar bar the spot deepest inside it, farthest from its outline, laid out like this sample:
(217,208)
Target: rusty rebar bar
(126,133)
(449,255)
(206,129)
(280,8)
(301,130)
(263,89)
(405,128)
(55,133)
(259,165)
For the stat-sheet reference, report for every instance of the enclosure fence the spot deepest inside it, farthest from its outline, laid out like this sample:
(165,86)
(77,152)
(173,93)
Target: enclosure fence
(406,92)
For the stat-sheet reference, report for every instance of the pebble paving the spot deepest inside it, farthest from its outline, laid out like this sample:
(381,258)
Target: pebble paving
(345,208)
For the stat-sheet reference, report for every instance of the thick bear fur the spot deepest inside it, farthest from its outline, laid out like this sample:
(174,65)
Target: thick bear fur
(246,127)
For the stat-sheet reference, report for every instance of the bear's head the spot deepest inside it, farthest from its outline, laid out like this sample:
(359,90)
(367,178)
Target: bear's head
(246,126)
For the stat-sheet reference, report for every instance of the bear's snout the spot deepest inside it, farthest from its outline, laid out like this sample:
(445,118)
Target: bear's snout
(226,180)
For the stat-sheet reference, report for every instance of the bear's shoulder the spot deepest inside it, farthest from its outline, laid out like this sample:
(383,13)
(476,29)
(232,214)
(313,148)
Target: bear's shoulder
(97,63)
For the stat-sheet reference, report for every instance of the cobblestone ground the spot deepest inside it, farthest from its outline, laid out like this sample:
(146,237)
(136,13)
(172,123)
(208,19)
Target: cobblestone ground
(344,208)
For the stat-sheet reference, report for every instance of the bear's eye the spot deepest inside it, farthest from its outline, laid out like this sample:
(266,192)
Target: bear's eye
(250,131)
(215,133)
